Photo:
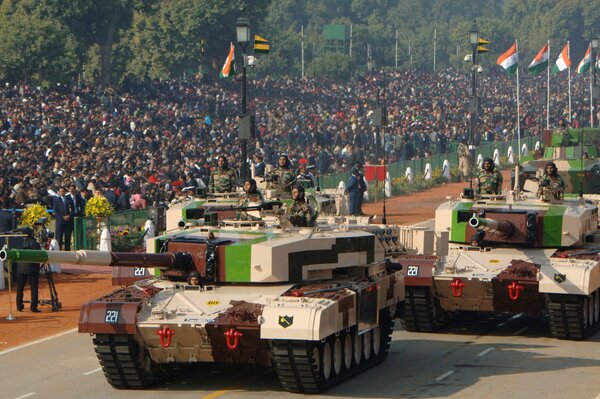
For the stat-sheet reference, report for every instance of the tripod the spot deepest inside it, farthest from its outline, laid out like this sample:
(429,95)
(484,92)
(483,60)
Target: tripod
(53,301)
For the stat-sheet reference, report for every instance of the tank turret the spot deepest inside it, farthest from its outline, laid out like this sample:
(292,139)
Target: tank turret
(322,299)
(512,253)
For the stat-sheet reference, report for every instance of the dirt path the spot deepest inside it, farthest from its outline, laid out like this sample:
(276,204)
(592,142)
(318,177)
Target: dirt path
(76,289)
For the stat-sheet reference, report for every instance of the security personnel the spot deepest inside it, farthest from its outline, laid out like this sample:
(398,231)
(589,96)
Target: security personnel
(222,179)
(552,180)
(489,179)
(463,157)
(28,272)
(283,176)
(299,211)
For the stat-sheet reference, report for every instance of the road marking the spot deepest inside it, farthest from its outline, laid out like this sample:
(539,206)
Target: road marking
(520,331)
(227,390)
(93,371)
(485,352)
(39,341)
(27,395)
(445,375)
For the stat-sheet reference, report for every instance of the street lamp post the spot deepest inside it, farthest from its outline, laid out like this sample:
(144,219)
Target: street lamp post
(595,89)
(474,40)
(242,29)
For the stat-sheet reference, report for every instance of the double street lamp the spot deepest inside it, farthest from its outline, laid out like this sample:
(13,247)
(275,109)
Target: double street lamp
(242,30)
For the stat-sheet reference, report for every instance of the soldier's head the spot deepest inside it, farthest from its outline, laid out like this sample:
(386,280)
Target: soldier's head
(488,164)
(284,162)
(250,186)
(551,169)
(222,162)
(298,193)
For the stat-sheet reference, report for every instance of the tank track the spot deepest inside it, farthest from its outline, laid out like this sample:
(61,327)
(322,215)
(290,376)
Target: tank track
(421,311)
(573,316)
(304,366)
(119,356)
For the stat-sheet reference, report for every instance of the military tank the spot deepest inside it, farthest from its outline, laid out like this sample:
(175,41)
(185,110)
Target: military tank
(510,253)
(575,154)
(317,304)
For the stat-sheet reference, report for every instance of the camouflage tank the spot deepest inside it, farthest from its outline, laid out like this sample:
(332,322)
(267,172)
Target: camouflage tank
(575,154)
(511,254)
(317,303)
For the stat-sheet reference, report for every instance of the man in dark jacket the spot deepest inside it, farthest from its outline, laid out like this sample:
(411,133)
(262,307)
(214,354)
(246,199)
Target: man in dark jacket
(28,272)
(63,213)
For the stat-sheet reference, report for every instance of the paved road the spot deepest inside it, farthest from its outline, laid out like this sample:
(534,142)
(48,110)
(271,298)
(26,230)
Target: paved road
(476,357)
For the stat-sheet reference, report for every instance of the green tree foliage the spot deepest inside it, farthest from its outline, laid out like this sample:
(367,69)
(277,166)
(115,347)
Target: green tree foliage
(35,50)
(111,40)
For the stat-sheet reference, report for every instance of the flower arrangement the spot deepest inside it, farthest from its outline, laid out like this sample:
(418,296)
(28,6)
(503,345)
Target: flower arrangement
(99,207)
(34,213)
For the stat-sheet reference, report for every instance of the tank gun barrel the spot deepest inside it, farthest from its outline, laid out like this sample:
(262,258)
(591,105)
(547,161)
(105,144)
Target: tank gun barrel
(176,260)
(501,227)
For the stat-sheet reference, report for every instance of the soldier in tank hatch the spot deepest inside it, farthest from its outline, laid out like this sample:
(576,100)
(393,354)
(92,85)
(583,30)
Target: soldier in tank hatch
(299,211)
(489,179)
(283,175)
(222,179)
(552,181)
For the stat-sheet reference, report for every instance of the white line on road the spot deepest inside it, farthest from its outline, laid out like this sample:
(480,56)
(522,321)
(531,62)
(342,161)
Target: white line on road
(93,371)
(445,375)
(520,331)
(16,348)
(485,352)
(27,395)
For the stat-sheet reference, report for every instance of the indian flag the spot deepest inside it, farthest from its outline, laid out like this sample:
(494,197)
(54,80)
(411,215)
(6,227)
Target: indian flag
(540,62)
(585,63)
(563,61)
(228,69)
(509,59)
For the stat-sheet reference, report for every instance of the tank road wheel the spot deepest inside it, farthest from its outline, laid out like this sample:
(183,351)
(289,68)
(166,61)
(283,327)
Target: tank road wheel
(338,355)
(348,350)
(422,312)
(358,350)
(124,364)
(376,340)
(573,316)
(326,360)
(367,344)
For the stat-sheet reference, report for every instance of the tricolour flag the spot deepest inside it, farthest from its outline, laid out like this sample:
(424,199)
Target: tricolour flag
(540,62)
(261,45)
(509,59)
(585,63)
(563,61)
(228,69)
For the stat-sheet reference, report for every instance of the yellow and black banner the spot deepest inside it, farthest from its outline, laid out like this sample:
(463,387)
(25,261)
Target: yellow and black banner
(261,45)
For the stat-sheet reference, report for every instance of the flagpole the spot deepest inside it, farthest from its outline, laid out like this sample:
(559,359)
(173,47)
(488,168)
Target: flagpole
(302,48)
(518,110)
(548,90)
(434,43)
(396,63)
(591,86)
(569,68)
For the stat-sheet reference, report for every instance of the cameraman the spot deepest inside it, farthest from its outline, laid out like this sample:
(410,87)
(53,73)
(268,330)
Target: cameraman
(28,272)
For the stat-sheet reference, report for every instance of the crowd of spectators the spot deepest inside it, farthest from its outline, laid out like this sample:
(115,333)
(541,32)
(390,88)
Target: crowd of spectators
(142,142)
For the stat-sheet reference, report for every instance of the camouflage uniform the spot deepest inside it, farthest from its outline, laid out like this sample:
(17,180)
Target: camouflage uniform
(490,182)
(222,180)
(463,159)
(300,214)
(249,199)
(554,182)
(285,178)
